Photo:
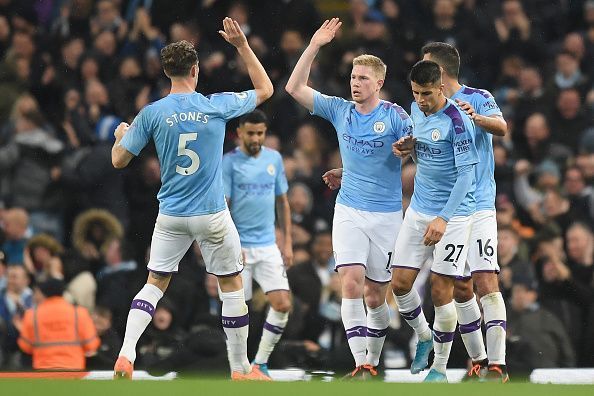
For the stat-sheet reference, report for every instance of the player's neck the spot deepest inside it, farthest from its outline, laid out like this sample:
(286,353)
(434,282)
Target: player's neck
(451,86)
(246,152)
(440,105)
(182,86)
(368,106)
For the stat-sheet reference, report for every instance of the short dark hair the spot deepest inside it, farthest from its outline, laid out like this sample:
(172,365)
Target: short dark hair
(425,72)
(255,117)
(178,58)
(445,55)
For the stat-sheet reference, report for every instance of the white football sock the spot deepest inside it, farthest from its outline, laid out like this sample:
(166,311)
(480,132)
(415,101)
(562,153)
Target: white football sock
(409,306)
(469,319)
(236,320)
(378,320)
(140,315)
(496,323)
(443,335)
(354,319)
(273,330)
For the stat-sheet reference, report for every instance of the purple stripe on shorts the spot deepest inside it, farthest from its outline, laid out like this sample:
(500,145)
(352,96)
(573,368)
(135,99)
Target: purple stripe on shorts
(412,314)
(485,271)
(442,337)
(377,333)
(375,281)
(493,323)
(357,331)
(405,267)
(143,305)
(226,275)
(234,322)
(162,273)
(463,278)
(470,327)
(273,329)
(348,265)
(449,276)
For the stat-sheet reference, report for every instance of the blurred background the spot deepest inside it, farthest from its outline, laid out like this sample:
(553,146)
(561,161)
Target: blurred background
(71,70)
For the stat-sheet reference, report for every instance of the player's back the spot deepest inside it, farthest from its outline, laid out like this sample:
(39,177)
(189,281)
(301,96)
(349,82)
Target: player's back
(189,130)
(445,142)
(484,104)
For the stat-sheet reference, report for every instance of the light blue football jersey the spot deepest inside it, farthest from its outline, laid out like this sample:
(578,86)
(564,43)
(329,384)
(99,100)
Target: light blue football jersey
(445,141)
(484,104)
(252,184)
(371,179)
(189,131)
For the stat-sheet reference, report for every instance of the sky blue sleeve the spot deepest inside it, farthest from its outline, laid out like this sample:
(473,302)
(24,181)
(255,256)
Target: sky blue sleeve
(461,187)
(326,106)
(281,186)
(234,104)
(138,134)
(403,121)
(463,141)
(228,175)
(486,105)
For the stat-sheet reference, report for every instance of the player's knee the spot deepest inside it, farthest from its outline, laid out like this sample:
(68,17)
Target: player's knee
(441,295)
(400,286)
(352,288)
(463,291)
(374,300)
(487,285)
(283,306)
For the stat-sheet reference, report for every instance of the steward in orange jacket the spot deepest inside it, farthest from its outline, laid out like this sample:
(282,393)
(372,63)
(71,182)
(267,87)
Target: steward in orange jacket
(58,334)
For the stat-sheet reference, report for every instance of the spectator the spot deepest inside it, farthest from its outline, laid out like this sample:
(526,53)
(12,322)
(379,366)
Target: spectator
(14,300)
(110,340)
(42,257)
(15,223)
(58,334)
(537,339)
(510,259)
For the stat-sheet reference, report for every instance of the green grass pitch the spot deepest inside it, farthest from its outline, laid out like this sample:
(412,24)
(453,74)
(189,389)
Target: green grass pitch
(223,387)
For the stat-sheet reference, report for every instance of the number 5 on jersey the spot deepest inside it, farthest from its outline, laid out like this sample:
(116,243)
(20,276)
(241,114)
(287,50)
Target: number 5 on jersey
(184,138)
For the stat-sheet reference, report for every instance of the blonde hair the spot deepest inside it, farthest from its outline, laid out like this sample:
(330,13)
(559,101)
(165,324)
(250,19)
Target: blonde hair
(377,65)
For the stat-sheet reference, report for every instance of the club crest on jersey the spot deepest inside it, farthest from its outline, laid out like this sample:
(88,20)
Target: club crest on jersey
(435,135)
(271,170)
(241,95)
(379,127)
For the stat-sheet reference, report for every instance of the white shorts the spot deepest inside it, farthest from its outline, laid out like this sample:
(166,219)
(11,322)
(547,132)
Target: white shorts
(365,238)
(449,254)
(215,233)
(265,266)
(482,254)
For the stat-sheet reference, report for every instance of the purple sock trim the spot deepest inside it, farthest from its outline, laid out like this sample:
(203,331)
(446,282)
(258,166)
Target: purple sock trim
(412,314)
(143,305)
(442,337)
(500,323)
(470,327)
(357,331)
(273,329)
(235,322)
(377,333)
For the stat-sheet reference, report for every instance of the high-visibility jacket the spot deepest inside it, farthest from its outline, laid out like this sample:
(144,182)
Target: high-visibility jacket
(58,335)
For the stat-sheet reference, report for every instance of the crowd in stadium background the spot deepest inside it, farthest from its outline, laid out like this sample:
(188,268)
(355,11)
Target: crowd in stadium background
(71,70)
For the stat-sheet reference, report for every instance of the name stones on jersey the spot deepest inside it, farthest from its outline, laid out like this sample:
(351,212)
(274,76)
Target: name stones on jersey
(271,170)
(435,135)
(379,127)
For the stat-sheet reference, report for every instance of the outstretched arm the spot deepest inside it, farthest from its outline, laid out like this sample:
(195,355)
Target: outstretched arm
(297,84)
(494,124)
(233,35)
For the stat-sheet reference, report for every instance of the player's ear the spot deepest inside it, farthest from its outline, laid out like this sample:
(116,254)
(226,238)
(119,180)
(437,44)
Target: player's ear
(380,84)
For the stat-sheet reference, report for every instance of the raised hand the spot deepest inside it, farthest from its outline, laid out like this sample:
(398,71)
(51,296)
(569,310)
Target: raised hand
(467,107)
(326,32)
(232,33)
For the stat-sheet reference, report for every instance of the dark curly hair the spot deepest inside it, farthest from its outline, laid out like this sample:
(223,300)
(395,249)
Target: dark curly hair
(178,58)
